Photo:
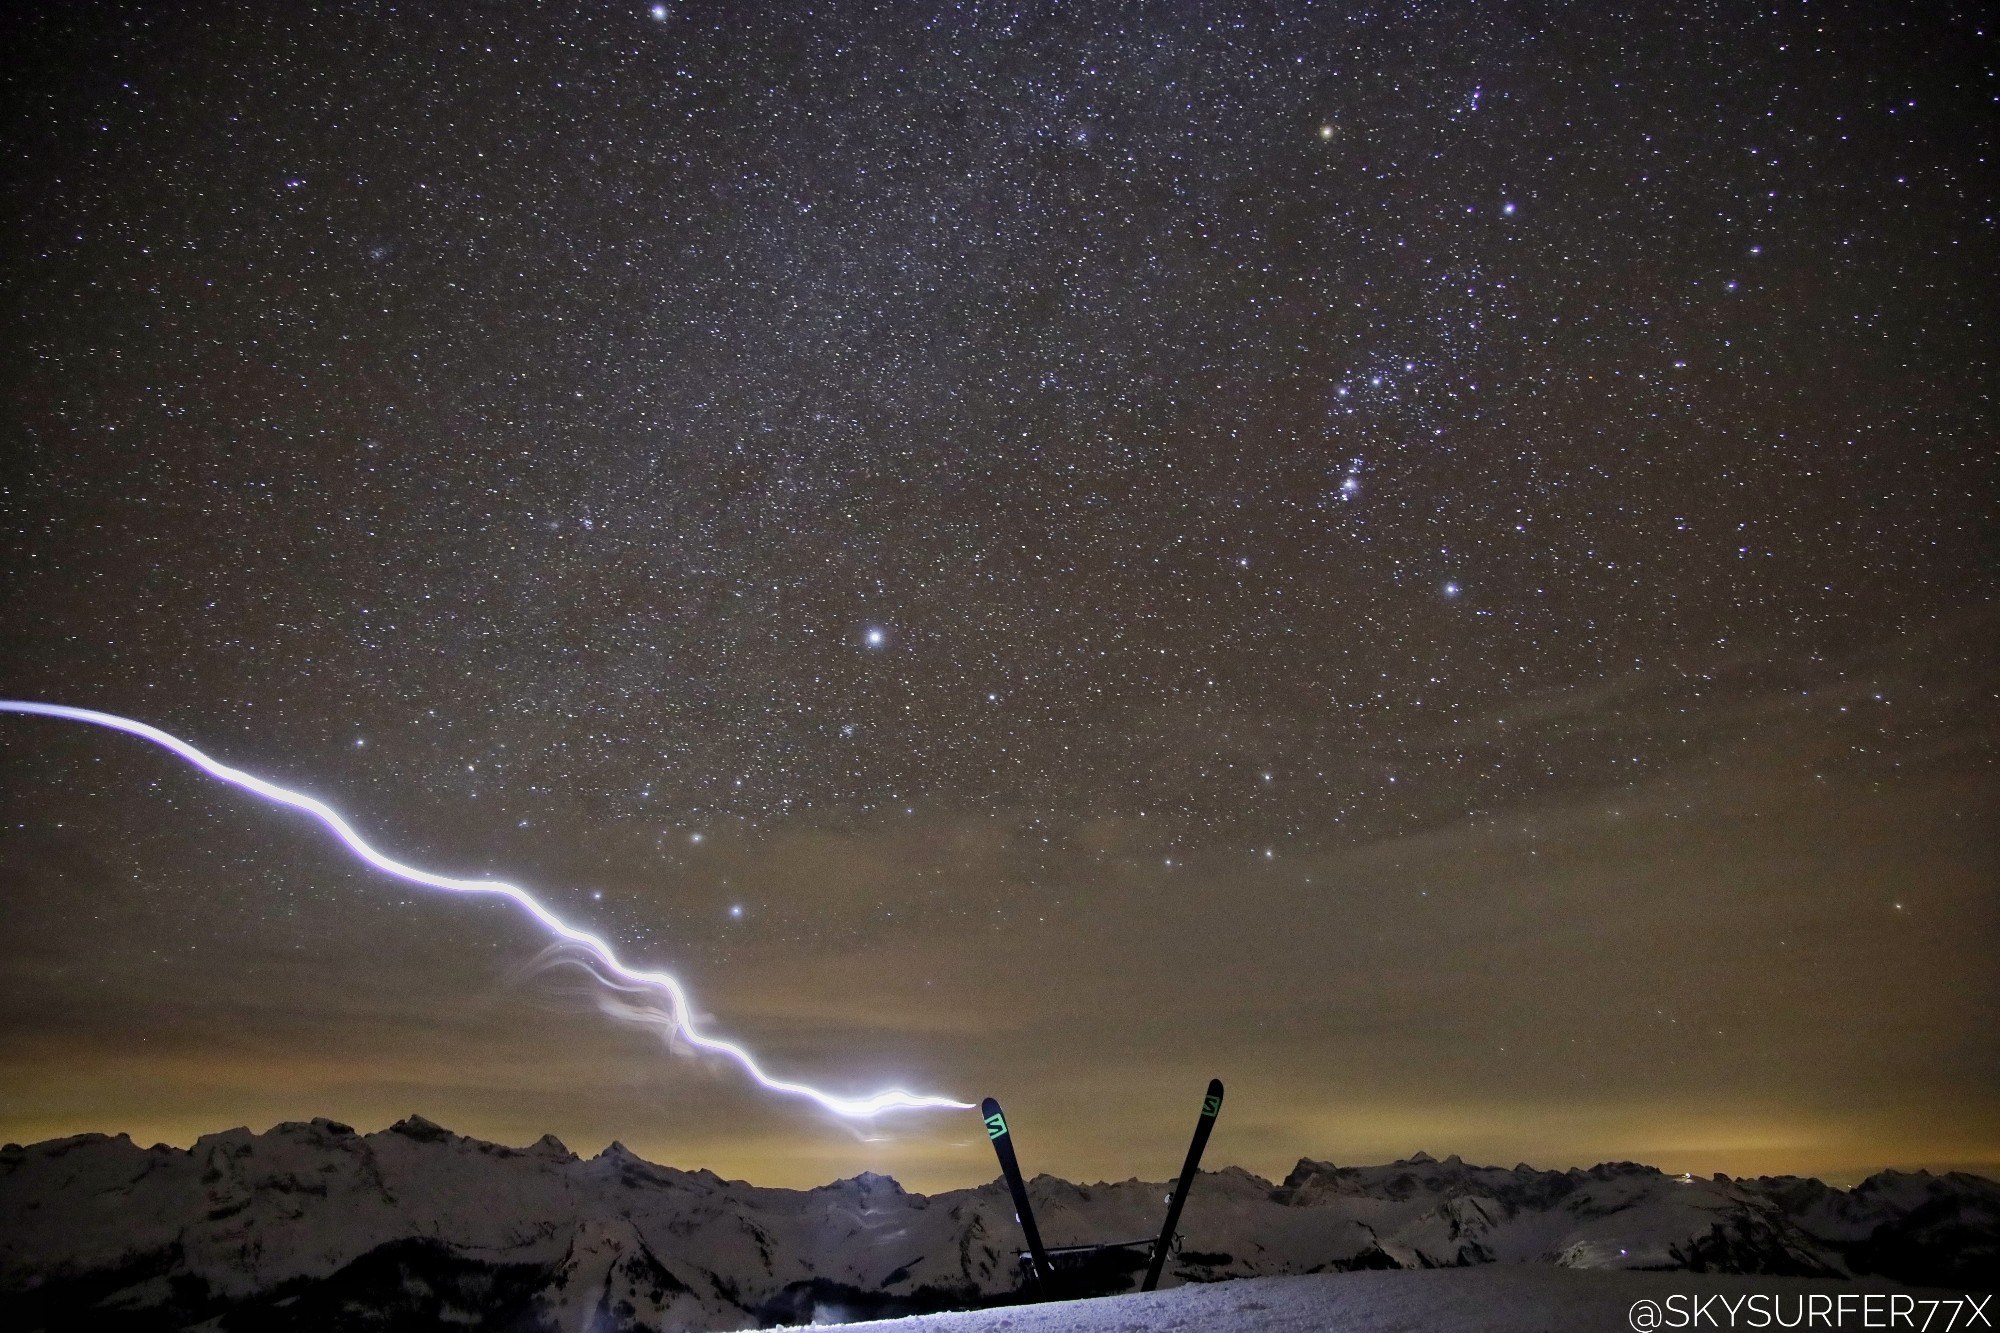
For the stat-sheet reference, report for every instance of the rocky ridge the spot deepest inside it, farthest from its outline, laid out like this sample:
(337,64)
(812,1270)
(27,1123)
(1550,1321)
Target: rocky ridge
(312,1225)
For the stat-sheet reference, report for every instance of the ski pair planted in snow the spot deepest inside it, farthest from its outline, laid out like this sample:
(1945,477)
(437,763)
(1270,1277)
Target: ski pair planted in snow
(1039,1266)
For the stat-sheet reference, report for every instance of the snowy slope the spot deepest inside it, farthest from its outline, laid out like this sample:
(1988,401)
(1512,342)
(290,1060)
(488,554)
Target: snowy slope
(1486,1299)
(289,1228)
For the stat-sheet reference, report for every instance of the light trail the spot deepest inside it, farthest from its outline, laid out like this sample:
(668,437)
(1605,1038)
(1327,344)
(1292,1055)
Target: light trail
(598,947)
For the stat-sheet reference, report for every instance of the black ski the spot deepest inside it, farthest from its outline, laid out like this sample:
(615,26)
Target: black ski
(1003,1147)
(1210,1104)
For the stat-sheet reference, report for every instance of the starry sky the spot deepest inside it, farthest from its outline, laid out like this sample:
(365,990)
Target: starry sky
(1434,561)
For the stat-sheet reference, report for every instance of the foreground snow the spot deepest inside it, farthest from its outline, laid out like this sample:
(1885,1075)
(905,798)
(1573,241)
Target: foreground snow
(1493,1298)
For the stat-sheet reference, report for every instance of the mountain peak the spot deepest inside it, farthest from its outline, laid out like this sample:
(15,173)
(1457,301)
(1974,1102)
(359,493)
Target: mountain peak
(422,1130)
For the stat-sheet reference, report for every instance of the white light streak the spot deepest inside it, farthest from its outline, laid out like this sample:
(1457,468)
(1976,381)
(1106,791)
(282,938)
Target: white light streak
(597,946)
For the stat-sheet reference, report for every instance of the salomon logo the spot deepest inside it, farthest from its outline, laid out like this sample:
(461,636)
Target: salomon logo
(996,1125)
(1209,1106)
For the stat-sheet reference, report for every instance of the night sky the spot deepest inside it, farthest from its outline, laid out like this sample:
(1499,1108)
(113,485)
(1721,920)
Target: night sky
(1435,562)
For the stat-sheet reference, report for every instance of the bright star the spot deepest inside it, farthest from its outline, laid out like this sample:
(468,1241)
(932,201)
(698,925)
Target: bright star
(876,636)
(1451,590)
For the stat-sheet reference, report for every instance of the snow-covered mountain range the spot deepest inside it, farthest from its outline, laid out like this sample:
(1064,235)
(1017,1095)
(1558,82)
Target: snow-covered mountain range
(315,1226)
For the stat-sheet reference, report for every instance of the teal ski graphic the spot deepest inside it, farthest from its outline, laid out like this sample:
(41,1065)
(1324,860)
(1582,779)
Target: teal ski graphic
(1010,1167)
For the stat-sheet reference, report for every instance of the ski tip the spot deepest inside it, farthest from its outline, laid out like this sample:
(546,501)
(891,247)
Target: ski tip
(988,1107)
(1215,1088)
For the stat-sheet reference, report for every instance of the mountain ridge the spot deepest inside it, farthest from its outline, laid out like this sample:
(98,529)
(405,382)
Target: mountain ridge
(285,1229)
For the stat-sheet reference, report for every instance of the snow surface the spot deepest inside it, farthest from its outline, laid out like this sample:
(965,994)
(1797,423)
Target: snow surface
(1493,1298)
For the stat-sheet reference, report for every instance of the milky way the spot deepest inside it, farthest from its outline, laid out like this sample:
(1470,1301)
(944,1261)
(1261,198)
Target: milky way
(1434,562)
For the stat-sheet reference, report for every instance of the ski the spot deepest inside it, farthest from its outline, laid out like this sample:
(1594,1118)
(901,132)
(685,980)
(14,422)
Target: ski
(1210,1105)
(1010,1167)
